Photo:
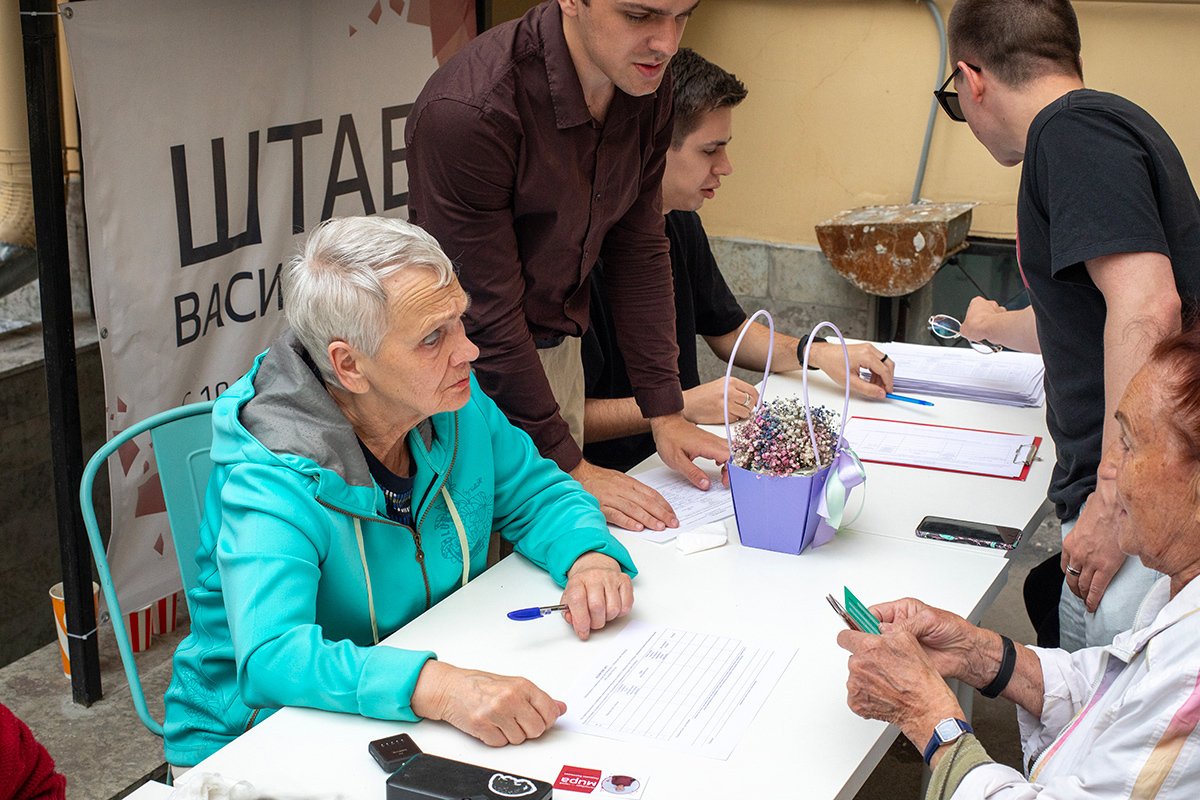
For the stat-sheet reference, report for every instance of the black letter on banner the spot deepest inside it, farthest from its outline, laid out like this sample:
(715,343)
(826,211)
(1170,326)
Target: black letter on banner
(229,309)
(265,291)
(296,133)
(190,254)
(214,309)
(335,188)
(192,317)
(391,157)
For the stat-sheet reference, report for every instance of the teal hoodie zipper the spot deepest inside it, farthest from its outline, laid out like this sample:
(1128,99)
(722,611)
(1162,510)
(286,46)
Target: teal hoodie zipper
(415,531)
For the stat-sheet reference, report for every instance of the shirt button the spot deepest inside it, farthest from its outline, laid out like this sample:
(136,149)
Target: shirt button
(597,195)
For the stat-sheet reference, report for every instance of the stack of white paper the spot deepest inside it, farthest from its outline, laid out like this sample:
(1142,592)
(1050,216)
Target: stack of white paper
(1011,379)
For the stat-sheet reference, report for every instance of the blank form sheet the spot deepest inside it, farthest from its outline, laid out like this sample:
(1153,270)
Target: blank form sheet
(684,690)
(914,444)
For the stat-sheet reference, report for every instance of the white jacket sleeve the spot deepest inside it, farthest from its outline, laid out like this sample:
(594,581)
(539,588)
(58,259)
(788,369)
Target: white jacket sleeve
(1140,739)
(1069,680)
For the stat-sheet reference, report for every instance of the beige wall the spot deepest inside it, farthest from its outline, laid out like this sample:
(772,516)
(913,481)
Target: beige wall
(14,122)
(839,96)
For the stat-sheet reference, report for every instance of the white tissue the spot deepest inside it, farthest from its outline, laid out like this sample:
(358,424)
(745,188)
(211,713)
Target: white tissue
(705,537)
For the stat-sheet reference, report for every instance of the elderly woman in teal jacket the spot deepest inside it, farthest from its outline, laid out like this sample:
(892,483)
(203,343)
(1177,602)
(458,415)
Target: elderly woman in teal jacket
(359,473)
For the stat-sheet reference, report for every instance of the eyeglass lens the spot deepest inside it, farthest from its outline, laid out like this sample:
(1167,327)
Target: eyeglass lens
(945,326)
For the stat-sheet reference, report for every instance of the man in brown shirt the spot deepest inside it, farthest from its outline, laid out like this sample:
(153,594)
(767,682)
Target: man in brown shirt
(534,152)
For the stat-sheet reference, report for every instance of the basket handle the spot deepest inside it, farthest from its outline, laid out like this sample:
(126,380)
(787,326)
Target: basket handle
(766,372)
(845,383)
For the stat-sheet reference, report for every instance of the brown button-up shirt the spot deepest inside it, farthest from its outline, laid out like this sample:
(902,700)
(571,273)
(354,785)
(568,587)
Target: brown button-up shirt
(524,191)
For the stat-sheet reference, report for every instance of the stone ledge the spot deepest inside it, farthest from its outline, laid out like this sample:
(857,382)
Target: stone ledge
(23,349)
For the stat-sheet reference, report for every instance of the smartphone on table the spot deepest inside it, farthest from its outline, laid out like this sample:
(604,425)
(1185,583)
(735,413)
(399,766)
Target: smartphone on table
(980,534)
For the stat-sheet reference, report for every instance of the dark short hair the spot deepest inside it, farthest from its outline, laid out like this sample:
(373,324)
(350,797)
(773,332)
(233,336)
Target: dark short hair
(1018,40)
(700,86)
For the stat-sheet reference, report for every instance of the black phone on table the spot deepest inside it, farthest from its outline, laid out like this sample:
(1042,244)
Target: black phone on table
(980,534)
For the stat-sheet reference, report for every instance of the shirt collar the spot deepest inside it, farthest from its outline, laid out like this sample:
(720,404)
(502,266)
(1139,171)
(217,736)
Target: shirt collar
(570,109)
(1157,612)
(566,92)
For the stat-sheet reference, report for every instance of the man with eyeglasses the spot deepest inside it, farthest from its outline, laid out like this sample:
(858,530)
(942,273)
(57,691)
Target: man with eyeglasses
(1108,240)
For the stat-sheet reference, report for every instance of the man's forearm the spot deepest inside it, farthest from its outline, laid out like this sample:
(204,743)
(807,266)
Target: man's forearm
(1143,309)
(1016,330)
(755,347)
(612,418)
(1129,336)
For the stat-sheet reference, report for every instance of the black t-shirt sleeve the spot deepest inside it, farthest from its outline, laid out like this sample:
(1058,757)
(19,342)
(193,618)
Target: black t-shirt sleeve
(1099,192)
(717,310)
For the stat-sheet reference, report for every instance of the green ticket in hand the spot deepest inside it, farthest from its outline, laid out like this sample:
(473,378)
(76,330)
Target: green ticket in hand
(858,614)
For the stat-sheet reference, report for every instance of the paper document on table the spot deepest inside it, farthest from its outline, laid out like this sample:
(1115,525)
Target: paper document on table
(1011,379)
(696,692)
(693,507)
(911,444)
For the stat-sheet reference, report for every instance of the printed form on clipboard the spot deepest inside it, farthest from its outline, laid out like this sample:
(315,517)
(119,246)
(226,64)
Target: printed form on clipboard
(916,444)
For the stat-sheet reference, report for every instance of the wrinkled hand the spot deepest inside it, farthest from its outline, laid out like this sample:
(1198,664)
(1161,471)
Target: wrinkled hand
(597,592)
(626,503)
(982,316)
(952,644)
(705,404)
(1092,547)
(829,359)
(679,442)
(496,709)
(892,679)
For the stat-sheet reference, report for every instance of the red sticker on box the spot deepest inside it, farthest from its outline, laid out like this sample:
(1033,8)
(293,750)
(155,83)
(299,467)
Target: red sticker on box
(577,779)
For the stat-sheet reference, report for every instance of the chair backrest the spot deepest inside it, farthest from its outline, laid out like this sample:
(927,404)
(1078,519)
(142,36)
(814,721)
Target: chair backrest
(185,450)
(181,448)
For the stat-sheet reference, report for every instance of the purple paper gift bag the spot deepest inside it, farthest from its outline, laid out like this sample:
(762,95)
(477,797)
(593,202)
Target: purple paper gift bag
(788,513)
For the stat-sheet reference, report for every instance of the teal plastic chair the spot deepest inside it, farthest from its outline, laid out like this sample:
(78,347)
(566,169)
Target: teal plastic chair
(182,438)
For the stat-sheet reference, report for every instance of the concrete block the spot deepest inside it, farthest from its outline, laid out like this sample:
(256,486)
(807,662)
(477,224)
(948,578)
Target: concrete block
(797,319)
(745,265)
(22,389)
(804,275)
(29,557)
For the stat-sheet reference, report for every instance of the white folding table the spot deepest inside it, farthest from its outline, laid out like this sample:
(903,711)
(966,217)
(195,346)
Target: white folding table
(804,743)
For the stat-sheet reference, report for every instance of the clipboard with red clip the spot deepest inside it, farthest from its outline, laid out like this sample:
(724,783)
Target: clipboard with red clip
(922,445)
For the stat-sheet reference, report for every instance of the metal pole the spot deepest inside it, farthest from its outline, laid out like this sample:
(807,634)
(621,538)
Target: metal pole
(42,93)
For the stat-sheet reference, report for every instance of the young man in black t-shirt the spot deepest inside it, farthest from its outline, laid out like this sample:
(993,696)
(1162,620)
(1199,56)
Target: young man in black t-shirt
(615,433)
(1108,235)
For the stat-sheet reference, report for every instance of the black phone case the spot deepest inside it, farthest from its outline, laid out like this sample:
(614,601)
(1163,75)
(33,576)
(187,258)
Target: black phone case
(426,777)
(962,539)
(392,752)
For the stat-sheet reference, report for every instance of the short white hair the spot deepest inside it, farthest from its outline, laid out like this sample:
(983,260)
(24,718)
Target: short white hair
(334,289)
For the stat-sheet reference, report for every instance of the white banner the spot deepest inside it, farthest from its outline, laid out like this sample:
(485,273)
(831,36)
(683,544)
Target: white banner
(214,133)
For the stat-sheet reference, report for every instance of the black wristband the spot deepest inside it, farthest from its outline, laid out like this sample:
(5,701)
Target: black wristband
(803,343)
(1008,660)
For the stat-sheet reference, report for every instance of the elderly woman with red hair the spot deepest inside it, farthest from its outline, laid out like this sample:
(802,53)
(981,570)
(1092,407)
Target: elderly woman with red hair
(1104,722)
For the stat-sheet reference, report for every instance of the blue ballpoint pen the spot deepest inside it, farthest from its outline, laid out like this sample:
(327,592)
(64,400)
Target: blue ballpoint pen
(904,399)
(535,612)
